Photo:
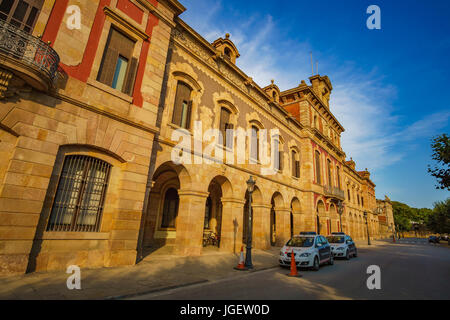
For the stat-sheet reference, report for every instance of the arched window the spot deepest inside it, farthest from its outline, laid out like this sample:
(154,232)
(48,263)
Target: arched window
(170,209)
(254,145)
(80,196)
(295,164)
(183,106)
(227,52)
(348,194)
(318,175)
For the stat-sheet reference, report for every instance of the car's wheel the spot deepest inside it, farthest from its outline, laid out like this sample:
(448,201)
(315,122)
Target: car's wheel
(356,253)
(347,255)
(316,265)
(331,261)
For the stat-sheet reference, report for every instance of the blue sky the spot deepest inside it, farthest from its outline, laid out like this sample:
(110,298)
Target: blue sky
(390,85)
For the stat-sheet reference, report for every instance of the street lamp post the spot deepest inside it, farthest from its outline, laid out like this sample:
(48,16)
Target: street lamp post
(367,224)
(248,257)
(340,211)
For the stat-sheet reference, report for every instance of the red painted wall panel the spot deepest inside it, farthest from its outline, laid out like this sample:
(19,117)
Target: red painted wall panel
(131,10)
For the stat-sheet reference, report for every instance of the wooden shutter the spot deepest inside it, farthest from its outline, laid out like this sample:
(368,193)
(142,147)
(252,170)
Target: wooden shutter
(108,67)
(280,157)
(183,95)
(131,77)
(188,116)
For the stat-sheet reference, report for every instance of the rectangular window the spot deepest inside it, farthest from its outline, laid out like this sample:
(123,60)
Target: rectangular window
(225,125)
(254,151)
(118,68)
(318,175)
(338,178)
(330,178)
(80,195)
(21,13)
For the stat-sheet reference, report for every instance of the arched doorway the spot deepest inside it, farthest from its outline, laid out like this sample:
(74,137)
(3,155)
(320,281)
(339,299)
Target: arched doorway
(276,204)
(161,218)
(273,224)
(295,216)
(212,226)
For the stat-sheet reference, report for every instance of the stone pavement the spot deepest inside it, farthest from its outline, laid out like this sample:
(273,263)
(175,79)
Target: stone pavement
(156,272)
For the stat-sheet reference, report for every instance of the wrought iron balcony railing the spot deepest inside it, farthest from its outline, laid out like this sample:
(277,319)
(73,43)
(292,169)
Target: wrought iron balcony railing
(334,192)
(28,50)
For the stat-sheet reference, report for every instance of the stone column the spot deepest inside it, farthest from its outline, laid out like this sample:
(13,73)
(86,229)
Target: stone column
(283,226)
(261,226)
(190,222)
(232,224)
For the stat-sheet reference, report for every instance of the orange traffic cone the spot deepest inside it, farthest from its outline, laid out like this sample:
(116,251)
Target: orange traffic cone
(294,272)
(241,265)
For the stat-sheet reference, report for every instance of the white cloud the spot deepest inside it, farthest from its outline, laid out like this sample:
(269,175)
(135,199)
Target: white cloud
(361,101)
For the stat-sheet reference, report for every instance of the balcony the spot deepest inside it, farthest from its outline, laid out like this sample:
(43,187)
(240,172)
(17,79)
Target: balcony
(25,58)
(334,192)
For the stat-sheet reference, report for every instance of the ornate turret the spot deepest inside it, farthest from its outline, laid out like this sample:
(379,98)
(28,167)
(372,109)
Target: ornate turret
(273,91)
(227,48)
(322,87)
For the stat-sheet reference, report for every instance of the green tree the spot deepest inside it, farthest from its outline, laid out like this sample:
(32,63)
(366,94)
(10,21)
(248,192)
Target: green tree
(402,216)
(439,220)
(441,154)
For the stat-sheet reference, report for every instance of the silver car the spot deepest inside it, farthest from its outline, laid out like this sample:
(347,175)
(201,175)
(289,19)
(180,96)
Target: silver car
(342,246)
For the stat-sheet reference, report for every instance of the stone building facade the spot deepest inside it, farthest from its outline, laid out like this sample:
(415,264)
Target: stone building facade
(77,127)
(88,121)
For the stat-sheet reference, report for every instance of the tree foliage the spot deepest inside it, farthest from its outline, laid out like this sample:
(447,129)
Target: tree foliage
(439,221)
(441,154)
(436,220)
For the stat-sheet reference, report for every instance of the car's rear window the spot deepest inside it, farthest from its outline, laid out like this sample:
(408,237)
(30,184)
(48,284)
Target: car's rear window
(336,239)
(302,242)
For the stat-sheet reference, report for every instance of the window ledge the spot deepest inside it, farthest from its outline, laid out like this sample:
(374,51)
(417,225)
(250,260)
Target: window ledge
(110,90)
(175,127)
(54,235)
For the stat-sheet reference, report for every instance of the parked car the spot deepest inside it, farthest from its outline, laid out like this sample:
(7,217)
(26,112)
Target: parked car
(342,246)
(433,239)
(309,251)
(308,233)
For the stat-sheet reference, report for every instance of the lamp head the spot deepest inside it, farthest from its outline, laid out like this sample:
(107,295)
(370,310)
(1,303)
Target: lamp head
(251,184)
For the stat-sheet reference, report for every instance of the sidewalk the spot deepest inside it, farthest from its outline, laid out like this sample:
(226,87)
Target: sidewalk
(155,272)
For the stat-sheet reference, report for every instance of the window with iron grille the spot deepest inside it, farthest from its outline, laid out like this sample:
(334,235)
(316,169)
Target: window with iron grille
(80,196)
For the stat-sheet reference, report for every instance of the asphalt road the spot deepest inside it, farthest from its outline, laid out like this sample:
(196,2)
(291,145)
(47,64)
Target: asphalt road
(408,271)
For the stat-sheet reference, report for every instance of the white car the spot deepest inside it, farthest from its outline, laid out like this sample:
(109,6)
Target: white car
(309,251)
(342,246)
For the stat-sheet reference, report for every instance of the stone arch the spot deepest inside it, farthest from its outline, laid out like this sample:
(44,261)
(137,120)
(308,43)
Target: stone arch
(295,216)
(166,177)
(277,203)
